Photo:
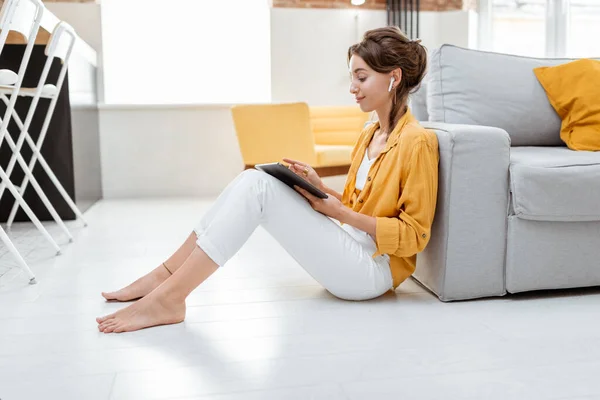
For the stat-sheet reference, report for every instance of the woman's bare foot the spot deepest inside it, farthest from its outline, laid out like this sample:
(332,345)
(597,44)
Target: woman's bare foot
(152,310)
(141,287)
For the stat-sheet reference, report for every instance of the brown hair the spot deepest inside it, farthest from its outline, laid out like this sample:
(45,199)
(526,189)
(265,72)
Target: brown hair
(384,50)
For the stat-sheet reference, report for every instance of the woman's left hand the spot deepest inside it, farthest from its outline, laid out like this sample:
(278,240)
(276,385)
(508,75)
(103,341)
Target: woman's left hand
(330,206)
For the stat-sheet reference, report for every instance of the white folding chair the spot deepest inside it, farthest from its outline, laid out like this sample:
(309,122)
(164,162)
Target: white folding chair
(20,19)
(60,46)
(24,17)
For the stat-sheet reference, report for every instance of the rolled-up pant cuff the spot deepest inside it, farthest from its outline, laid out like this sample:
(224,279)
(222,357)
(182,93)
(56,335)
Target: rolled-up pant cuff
(209,248)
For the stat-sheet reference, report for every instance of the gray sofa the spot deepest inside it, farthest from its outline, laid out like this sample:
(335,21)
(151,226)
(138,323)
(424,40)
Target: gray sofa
(517,210)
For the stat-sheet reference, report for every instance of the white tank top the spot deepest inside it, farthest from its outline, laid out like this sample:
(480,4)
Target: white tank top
(363,171)
(363,237)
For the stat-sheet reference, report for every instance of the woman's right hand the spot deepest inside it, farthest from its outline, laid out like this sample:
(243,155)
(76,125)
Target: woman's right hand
(305,171)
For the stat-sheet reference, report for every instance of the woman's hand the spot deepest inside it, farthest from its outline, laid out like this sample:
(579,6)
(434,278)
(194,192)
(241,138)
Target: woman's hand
(305,171)
(330,206)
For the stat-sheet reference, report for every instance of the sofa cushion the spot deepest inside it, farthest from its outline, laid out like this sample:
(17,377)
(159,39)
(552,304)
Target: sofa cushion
(481,88)
(544,255)
(331,155)
(555,184)
(337,125)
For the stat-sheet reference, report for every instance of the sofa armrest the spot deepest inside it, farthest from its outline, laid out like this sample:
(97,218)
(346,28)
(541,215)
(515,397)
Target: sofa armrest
(465,257)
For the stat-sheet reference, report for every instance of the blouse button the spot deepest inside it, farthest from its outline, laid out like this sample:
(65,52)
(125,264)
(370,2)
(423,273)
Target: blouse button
(369,178)
(360,201)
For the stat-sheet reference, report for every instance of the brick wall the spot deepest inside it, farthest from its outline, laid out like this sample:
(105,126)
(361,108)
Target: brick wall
(426,5)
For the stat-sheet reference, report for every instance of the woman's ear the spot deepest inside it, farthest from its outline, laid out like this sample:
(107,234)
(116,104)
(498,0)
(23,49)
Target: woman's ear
(397,74)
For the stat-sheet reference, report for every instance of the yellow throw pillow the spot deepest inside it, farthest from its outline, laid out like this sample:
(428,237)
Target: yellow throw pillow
(574,91)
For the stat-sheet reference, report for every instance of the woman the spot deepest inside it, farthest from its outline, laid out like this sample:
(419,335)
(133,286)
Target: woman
(385,212)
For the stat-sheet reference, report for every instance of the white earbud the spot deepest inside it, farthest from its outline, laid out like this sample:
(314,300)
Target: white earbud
(391,84)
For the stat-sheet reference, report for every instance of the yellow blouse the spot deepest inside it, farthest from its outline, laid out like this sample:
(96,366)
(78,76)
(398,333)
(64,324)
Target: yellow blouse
(401,191)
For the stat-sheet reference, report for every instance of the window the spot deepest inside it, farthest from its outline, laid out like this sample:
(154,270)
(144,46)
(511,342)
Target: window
(584,28)
(186,51)
(519,27)
(541,28)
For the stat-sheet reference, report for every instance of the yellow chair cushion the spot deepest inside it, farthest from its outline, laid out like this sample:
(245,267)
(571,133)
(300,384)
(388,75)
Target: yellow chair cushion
(319,136)
(330,155)
(270,132)
(337,125)
(573,89)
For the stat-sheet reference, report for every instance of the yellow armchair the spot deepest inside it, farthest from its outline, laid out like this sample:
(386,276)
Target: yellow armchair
(320,136)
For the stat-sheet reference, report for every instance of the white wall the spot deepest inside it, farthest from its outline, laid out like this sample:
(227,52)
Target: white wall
(309,48)
(83,17)
(165,151)
(85,80)
(193,151)
(451,27)
(308,52)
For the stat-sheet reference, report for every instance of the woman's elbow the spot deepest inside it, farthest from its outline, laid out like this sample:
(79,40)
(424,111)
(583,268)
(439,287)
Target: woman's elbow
(416,247)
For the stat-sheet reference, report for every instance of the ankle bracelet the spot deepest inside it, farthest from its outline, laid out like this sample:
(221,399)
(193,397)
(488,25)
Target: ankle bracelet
(165,265)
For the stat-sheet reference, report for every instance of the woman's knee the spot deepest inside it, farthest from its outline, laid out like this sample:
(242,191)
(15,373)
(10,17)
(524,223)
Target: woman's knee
(251,174)
(260,179)
(250,177)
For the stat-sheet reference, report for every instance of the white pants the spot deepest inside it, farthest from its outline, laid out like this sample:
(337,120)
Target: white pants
(338,257)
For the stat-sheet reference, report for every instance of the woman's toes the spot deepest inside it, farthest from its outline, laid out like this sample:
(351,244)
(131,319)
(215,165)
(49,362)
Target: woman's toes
(111,328)
(104,328)
(105,318)
(106,323)
(111,295)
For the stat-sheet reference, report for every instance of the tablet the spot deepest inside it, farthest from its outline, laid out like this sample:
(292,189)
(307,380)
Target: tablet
(286,176)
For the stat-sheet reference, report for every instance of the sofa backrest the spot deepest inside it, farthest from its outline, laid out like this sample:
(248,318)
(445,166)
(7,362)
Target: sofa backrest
(481,88)
(268,132)
(337,125)
(417,101)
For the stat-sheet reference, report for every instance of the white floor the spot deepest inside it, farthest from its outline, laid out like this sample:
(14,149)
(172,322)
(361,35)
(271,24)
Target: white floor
(261,328)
